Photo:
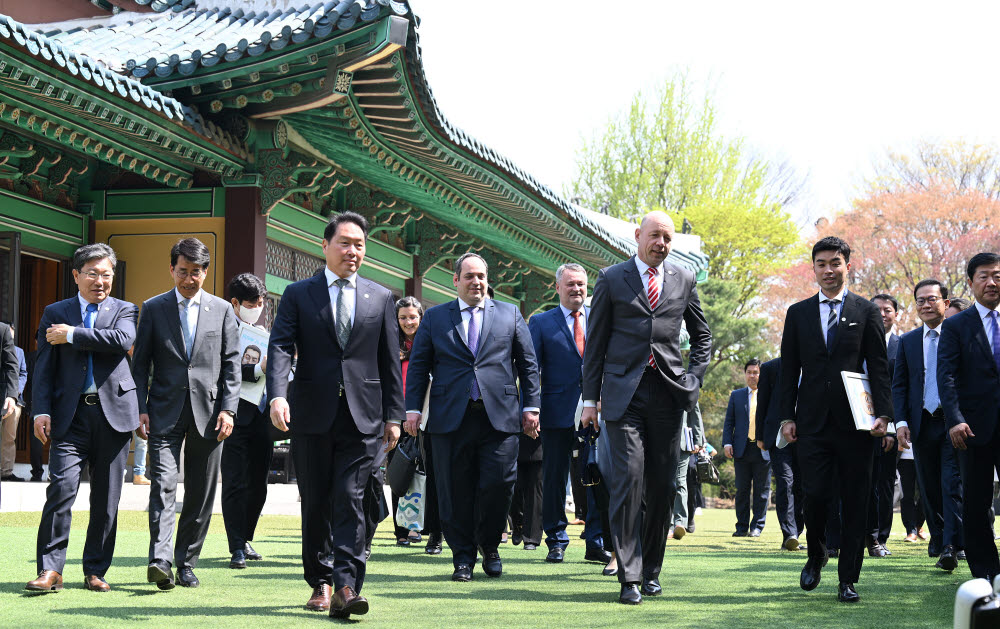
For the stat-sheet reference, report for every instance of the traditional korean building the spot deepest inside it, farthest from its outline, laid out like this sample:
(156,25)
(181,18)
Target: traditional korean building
(248,124)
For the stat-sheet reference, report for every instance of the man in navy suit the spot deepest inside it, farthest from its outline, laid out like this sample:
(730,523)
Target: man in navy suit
(752,465)
(476,349)
(969,383)
(559,337)
(84,400)
(920,421)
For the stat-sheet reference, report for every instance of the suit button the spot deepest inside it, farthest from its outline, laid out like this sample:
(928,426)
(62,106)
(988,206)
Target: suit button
(190,367)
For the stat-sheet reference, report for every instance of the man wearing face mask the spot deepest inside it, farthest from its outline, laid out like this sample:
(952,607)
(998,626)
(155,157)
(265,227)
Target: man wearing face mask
(246,459)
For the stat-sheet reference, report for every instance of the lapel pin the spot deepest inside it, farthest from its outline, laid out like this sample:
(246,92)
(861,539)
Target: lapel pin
(843,318)
(366,295)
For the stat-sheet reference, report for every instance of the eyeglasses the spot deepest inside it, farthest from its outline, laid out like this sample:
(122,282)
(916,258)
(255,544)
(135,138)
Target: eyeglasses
(93,275)
(933,299)
(195,274)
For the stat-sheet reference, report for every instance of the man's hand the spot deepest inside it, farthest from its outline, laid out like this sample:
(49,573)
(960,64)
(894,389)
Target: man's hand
(903,436)
(878,428)
(697,449)
(728,449)
(761,445)
(789,432)
(280,415)
(529,421)
(56,333)
(959,434)
(888,443)
(412,424)
(143,429)
(224,425)
(43,426)
(263,364)
(588,417)
(391,436)
(9,406)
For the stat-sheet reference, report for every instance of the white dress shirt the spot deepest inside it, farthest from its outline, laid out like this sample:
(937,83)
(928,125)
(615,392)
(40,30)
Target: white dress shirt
(984,318)
(350,293)
(824,311)
(926,345)
(83,315)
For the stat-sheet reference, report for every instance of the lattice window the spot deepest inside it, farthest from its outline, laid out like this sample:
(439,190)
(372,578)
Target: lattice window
(291,264)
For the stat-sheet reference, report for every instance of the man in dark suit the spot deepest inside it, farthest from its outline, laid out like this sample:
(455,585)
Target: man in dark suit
(920,421)
(788,496)
(559,337)
(824,335)
(246,457)
(477,350)
(968,375)
(348,392)
(84,400)
(752,465)
(633,366)
(884,461)
(9,370)
(188,342)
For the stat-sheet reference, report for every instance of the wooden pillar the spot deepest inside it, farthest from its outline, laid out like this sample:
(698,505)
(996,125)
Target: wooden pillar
(414,286)
(246,235)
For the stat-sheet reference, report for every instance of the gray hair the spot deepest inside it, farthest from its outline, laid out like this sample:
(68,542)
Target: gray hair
(89,253)
(465,256)
(569,266)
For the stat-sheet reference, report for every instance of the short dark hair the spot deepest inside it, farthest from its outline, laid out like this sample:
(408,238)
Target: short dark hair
(465,256)
(89,253)
(751,363)
(832,243)
(193,250)
(246,287)
(888,298)
(960,304)
(340,219)
(252,347)
(981,259)
(931,282)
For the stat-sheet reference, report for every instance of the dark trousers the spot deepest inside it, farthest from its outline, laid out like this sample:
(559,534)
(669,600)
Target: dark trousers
(911,511)
(557,444)
(695,497)
(883,488)
(475,468)
(432,519)
(753,484)
(645,445)
(401,532)
(937,464)
(788,496)
(246,462)
(93,442)
(35,455)
(526,505)
(602,501)
(332,471)
(824,457)
(978,464)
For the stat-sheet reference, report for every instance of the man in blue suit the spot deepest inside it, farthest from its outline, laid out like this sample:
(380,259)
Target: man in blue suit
(752,465)
(84,400)
(559,336)
(920,421)
(477,349)
(969,384)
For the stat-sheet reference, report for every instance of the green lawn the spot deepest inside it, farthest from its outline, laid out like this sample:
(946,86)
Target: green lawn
(710,580)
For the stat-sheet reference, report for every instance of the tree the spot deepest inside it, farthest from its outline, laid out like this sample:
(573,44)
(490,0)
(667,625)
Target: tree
(959,165)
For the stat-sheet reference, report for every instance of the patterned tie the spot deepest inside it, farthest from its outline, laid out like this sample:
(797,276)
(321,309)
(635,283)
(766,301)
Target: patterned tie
(578,332)
(186,327)
(475,394)
(931,399)
(88,322)
(653,292)
(831,322)
(343,316)
(752,430)
(995,333)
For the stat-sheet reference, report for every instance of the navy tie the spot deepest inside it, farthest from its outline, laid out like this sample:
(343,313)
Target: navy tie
(88,322)
(831,322)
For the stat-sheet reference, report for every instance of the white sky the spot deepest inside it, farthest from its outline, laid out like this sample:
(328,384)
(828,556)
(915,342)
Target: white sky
(828,87)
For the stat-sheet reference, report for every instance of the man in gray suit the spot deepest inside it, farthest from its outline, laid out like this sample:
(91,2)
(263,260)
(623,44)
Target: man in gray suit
(633,365)
(190,341)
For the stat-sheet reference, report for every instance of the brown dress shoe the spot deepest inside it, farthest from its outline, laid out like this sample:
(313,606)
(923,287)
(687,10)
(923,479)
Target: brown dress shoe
(95,583)
(320,601)
(140,479)
(47,581)
(346,602)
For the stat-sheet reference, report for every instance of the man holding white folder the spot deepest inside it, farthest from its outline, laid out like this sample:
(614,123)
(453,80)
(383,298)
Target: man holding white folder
(829,333)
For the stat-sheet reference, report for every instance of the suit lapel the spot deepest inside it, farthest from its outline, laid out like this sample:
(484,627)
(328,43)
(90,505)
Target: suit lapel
(173,315)
(489,311)
(813,324)
(456,320)
(208,312)
(73,315)
(846,318)
(669,283)
(979,334)
(635,282)
(561,322)
(106,313)
(362,304)
(320,294)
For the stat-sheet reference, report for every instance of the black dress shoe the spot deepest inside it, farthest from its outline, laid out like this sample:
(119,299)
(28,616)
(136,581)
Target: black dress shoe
(238,561)
(811,573)
(651,587)
(947,561)
(433,546)
(159,573)
(250,553)
(597,554)
(463,572)
(960,555)
(403,541)
(876,550)
(530,546)
(555,555)
(740,534)
(690,526)
(11,478)
(492,565)
(186,578)
(516,539)
(848,594)
(610,572)
(630,594)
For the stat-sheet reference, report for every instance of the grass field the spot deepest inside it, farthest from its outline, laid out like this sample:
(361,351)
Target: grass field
(710,580)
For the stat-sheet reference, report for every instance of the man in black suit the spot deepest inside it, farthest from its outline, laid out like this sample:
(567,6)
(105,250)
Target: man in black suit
(884,465)
(84,401)
(633,365)
(969,383)
(9,369)
(920,421)
(752,466)
(824,335)
(348,392)
(477,350)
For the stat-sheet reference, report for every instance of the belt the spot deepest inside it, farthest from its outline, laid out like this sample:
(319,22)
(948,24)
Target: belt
(476,403)
(936,415)
(90,399)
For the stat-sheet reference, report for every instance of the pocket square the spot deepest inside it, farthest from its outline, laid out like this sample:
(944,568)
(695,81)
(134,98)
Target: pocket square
(852,324)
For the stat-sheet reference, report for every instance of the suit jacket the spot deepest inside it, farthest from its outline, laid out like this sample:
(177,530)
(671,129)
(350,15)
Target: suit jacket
(908,381)
(621,330)
(860,340)
(736,427)
(968,381)
(8,362)
(368,368)
(60,370)
(768,406)
(210,379)
(559,365)
(440,349)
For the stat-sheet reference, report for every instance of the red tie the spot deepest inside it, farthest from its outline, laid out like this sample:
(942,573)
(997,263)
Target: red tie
(653,291)
(578,332)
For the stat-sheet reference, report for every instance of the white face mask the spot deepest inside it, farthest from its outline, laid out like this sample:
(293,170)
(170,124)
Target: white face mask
(250,315)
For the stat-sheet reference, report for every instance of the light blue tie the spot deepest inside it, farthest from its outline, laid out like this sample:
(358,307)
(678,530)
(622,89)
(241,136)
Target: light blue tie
(88,322)
(186,327)
(995,334)
(931,400)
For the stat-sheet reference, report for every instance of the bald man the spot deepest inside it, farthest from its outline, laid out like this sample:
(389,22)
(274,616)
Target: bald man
(633,363)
